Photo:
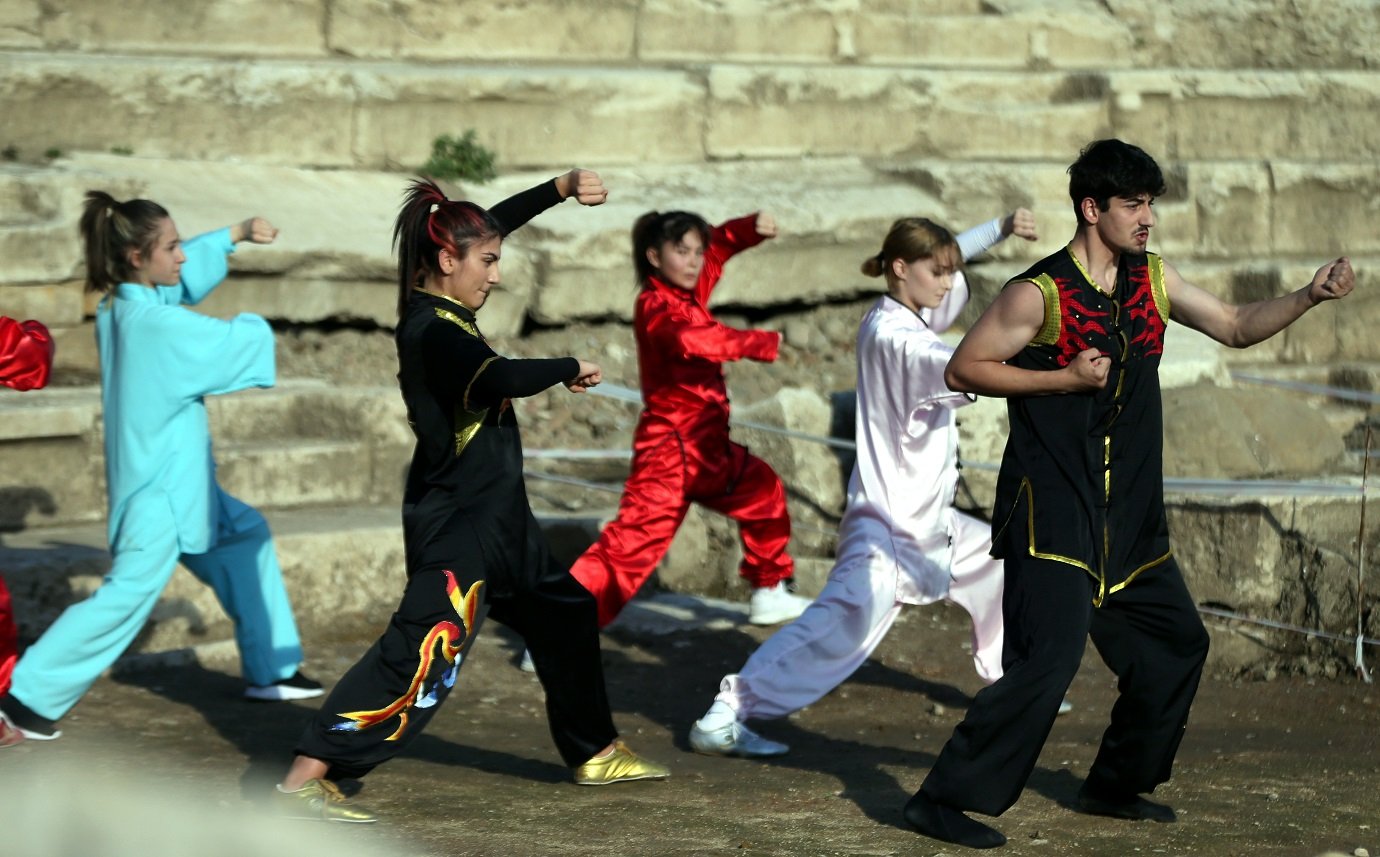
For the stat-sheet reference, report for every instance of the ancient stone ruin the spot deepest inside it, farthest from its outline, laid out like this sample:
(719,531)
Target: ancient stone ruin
(836,115)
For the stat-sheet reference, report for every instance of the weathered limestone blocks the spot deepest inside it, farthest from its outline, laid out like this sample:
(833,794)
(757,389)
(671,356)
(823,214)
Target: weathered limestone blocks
(1289,560)
(207,27)
(541,30)
(806,468)
(265,111)
(1218,115)
(530,117)
(1246,433)
(765,111)
(1312,34)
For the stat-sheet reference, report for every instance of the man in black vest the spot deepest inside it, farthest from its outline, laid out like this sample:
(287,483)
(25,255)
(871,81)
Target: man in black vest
(1074,345)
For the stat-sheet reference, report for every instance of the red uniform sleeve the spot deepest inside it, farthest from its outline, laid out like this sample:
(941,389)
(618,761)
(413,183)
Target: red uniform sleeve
(26,354)
(683,334)
(727,239)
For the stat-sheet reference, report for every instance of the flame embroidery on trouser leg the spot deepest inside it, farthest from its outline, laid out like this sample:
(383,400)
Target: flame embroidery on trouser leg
(451,639)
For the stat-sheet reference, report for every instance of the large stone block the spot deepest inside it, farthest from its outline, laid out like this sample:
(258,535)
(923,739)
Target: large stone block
(275,113)
(1245,434)
(530,118)
(1310,34)
(203,28)
(1074,39)
(20,23)
(1326,209)
(807,470)
(1234,210)
(484,30)
(742,30)
(781,112)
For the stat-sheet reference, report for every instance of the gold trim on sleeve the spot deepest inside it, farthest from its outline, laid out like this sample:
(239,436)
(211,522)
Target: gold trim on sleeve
(465,400)
(1157,286)
(1053,324)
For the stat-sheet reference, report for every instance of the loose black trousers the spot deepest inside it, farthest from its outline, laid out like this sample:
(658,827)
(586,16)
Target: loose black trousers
(1148,633)
(386,699)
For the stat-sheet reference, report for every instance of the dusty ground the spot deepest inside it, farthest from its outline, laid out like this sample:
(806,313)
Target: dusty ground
(1286,767)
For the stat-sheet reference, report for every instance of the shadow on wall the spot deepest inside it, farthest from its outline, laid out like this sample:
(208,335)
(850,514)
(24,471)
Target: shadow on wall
(16,502)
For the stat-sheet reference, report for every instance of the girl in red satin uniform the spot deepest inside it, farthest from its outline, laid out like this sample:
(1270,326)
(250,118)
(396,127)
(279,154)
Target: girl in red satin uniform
(681,449)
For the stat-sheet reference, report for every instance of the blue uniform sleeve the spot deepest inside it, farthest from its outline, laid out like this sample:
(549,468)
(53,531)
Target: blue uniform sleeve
(209,356)
(204,269)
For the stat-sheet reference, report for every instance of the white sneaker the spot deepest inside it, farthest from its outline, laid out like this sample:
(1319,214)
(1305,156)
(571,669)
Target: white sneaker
(733,739)
(1064,707)
(770,605)
(526,664)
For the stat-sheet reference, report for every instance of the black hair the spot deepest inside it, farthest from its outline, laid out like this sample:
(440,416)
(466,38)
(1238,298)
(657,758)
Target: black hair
(110,229)
(429,223)
(1111,168)
(654,229)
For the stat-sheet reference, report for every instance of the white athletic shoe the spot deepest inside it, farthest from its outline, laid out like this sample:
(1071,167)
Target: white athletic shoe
(771,605)
(733,739)
(526,664)
(1064,707)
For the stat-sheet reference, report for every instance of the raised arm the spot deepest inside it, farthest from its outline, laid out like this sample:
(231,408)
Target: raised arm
(727,240)
(977,240)
(207,259)
(1009,324)
(1240,326)
(584,185)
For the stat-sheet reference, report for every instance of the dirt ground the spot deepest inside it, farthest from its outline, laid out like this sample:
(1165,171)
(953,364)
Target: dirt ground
(1286,767)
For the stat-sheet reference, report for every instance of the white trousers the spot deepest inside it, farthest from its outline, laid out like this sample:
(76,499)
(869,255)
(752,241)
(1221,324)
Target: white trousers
(834,636)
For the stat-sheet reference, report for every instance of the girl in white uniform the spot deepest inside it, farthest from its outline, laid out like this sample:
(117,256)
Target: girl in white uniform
(901,541)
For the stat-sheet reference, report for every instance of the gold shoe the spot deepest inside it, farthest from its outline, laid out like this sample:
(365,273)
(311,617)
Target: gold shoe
(319,800)
(620,766)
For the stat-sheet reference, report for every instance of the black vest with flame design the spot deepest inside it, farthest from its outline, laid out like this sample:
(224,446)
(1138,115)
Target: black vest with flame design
(1081,480)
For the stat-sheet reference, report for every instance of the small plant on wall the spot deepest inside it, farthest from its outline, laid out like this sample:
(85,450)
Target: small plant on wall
(459,159)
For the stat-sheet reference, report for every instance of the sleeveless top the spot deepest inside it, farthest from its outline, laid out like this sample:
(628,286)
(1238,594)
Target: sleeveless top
(1081,479)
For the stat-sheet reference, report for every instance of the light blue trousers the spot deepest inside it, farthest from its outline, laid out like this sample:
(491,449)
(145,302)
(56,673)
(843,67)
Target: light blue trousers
(242,569)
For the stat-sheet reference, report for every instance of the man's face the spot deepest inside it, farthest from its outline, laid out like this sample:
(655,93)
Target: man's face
(1125,225)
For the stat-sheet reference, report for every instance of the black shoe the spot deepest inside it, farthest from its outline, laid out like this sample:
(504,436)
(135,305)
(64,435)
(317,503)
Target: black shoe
(949,825)
(1134,808)
(295,686)
(26,722)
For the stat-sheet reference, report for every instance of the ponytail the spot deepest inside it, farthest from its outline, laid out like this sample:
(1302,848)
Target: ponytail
(429,223)
(656,228)
(110,230)
(910,238)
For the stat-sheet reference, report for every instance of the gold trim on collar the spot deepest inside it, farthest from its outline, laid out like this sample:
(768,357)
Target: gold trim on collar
(1086,276)
(457,320)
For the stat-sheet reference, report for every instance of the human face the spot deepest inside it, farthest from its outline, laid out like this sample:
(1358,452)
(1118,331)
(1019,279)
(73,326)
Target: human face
(922,284)
(161,263)
(679,262)
(469,280)
(1125,225)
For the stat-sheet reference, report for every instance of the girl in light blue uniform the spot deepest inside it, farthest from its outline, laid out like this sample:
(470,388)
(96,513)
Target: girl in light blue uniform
(158,361)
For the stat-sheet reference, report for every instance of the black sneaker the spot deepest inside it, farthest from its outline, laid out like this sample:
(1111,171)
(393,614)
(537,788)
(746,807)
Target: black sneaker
(24,722)
(296,686)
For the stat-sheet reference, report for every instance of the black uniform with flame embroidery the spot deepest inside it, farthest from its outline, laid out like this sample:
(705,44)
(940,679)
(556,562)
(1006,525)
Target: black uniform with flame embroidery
(473,549)
(1085,473)
(1080,524)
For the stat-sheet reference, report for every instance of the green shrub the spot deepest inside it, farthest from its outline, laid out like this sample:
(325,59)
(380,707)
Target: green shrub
(460,158)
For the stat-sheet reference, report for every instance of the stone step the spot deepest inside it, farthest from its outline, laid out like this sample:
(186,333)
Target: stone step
(965,33)
(337,113)
(299,444)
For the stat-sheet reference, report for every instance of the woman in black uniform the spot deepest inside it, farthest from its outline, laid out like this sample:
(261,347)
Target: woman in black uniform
(473,547)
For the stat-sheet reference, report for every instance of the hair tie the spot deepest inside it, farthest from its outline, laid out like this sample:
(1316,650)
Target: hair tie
(881,258)
(434,206)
